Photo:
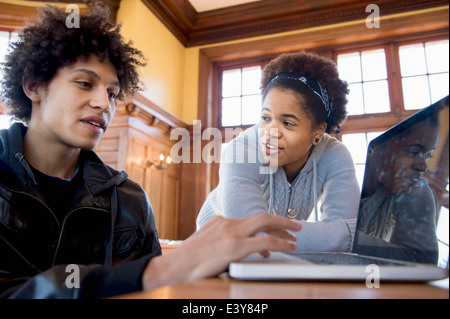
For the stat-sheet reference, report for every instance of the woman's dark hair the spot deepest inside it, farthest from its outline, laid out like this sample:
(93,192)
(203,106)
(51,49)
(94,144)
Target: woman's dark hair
(322,70)
(49,44)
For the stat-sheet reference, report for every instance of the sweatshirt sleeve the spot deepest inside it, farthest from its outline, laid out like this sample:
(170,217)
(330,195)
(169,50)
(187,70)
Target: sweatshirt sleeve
(240,192)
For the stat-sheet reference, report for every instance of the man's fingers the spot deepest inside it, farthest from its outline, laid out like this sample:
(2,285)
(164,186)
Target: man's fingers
(266,223)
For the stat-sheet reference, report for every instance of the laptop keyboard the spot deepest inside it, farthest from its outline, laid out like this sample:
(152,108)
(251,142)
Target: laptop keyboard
(340,259)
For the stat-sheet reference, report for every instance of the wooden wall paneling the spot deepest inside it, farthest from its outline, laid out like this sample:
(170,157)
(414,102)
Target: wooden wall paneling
(134,137)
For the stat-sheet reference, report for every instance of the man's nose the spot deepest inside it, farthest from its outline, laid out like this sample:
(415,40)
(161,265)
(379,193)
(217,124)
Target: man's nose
(100,99)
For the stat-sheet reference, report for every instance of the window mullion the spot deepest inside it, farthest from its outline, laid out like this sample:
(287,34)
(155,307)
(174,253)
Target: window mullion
(394,79)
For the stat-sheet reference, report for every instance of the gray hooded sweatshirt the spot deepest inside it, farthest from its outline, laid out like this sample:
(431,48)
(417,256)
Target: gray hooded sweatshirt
(248,187)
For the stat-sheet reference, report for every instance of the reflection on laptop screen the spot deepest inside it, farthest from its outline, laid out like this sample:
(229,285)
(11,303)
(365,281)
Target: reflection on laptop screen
(405,176)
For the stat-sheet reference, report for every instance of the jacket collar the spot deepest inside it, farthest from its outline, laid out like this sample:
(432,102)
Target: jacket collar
(96,174)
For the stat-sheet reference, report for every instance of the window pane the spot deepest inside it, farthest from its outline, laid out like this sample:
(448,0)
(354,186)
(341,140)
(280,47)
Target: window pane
(251,109)
(412,60)
(376,97)
(359,172)
(355,143)
(231,83)
(251,79)
(438,86)
(349,66)
(437,56)
(374,65)
(416,92)
(355,103)
(4,40)
(4,121)
(442,232)
(231,111)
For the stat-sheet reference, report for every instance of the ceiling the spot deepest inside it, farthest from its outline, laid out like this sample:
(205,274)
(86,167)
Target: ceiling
(200,22)
(207,5)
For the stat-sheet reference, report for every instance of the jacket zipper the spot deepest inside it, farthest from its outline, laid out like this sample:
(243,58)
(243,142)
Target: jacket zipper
(64,223)
(60,228)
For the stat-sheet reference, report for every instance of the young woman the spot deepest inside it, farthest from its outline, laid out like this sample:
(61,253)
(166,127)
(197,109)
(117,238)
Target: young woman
(288,162)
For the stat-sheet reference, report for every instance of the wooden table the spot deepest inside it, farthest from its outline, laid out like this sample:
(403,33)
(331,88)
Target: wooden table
(224,287)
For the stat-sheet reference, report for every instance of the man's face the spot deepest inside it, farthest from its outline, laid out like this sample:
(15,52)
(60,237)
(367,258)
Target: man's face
(407,159)
(78,104)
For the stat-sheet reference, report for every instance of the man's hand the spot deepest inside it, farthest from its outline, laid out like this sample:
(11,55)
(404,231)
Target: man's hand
(208,251)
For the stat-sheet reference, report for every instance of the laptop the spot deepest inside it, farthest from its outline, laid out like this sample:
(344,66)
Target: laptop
(395,236)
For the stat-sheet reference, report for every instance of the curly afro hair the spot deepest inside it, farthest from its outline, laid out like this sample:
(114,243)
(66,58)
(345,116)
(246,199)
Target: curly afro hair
(322,70)
(48,45)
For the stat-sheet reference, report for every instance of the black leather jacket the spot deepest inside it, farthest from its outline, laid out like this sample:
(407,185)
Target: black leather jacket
(35,248)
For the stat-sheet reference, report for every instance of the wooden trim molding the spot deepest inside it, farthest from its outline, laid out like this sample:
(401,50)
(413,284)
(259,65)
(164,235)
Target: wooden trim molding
(152,115)
(267,17)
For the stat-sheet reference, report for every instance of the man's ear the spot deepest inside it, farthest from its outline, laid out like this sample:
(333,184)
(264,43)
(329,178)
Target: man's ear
(32,89)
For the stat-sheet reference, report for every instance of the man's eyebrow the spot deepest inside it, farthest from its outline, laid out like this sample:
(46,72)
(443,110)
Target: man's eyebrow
(418,145)
(90,72)
(94,74)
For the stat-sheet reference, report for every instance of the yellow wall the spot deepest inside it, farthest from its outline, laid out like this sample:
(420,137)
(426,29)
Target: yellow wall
(163,75)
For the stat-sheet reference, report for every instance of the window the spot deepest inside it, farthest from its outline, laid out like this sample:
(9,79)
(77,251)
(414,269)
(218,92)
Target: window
(424,72)
(366,74)
(241,96)
(423,78)
(5,38)
(4,121)
(357,143)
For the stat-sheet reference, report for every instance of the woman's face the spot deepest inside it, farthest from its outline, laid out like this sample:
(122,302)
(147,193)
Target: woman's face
(286,132)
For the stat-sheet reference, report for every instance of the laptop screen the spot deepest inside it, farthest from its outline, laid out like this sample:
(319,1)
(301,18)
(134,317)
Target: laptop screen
(404,188)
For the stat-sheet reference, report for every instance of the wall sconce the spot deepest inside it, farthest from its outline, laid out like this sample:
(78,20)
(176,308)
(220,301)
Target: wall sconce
(162,165)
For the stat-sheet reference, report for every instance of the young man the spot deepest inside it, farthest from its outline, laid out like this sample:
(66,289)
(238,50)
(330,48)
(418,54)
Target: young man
(61,207)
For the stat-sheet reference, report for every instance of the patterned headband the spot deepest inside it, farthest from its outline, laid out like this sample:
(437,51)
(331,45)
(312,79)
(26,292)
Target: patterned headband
(312,84)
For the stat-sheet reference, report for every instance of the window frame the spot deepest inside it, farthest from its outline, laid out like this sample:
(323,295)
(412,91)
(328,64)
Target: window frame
(219,68)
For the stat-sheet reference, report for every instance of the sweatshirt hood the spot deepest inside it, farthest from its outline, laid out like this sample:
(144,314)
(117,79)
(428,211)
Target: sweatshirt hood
(311,164)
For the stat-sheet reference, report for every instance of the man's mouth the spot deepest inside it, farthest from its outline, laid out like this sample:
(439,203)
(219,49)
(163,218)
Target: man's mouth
(95,122)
